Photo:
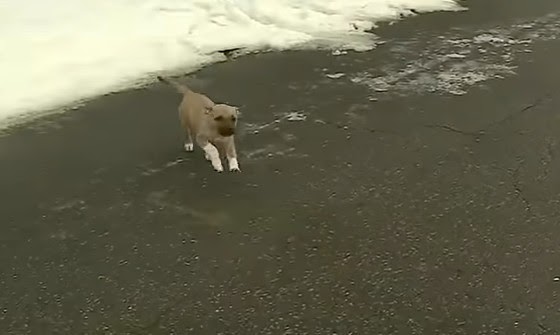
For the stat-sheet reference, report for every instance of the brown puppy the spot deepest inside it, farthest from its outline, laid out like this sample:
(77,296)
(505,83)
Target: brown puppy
(211,125)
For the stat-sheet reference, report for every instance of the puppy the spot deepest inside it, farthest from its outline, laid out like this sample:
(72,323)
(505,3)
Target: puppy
(211,125)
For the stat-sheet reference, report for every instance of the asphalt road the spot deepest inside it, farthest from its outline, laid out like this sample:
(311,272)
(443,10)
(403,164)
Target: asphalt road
(406,190)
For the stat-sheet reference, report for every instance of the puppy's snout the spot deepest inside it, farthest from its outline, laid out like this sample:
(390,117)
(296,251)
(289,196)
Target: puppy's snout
(226,131)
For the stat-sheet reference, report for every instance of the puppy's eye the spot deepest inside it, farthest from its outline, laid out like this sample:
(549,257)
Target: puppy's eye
(219,118)
(233,118)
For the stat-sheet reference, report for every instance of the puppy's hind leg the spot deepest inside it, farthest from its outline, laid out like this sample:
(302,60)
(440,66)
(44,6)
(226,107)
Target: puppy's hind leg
(189,146)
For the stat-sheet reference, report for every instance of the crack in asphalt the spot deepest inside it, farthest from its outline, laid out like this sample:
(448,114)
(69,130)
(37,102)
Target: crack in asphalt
(538,102)
(519,190)
(478,134)
(475,134)
(547,158)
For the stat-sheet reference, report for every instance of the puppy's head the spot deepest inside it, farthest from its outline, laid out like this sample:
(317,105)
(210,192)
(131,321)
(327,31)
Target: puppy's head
(224,118)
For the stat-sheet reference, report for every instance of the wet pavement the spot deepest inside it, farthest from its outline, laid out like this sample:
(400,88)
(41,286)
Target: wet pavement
(407,190)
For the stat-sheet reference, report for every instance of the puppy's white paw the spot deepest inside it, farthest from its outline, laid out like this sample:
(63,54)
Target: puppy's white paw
(189,147)
(234,165)
(212,154)
(218,168)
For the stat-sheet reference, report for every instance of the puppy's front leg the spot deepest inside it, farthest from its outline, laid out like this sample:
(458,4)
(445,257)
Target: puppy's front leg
(231,155)
(211,153)
(214,156)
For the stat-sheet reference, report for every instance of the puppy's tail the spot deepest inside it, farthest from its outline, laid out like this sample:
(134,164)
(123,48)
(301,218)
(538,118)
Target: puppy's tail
(181,88)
